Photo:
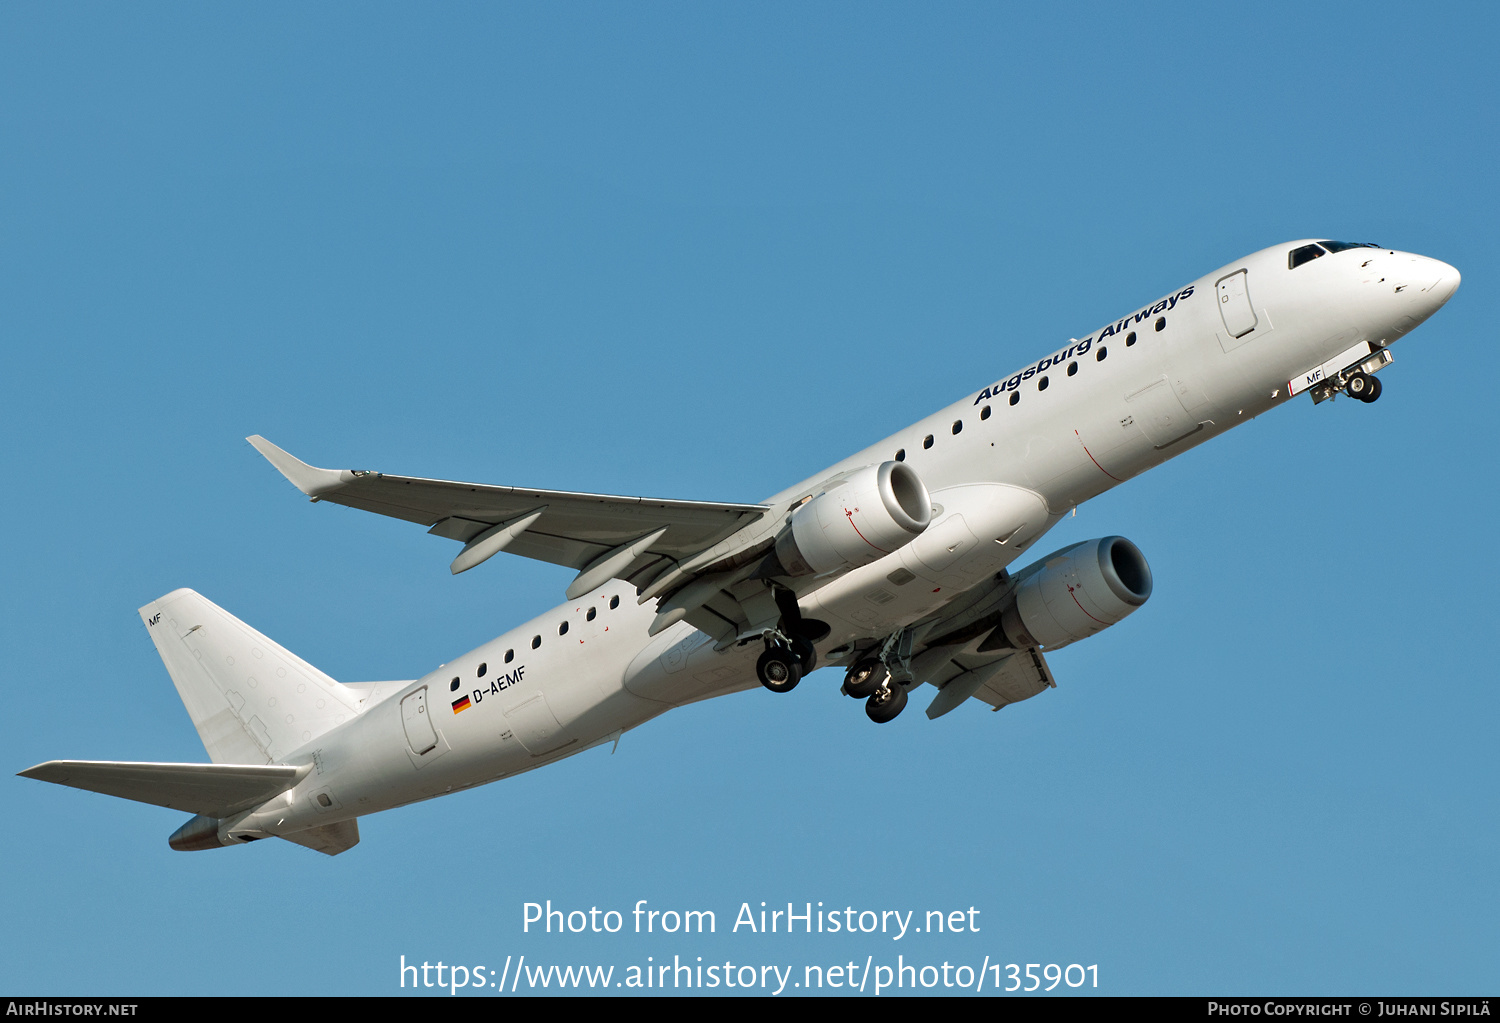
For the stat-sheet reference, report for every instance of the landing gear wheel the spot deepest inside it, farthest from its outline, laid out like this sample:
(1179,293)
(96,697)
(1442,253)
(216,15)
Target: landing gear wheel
(1359,386)
(886,702)
(863,678)
(778,669)
(806,654)
(1374,390)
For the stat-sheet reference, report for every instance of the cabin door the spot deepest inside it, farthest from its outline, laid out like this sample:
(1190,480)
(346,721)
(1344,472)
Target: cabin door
(1234,304)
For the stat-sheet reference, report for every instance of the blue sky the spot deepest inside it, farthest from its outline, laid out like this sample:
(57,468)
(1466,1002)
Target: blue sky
(701,251)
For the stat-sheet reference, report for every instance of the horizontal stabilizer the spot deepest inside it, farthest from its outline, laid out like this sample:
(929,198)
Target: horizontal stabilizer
(330,839)
(214,790)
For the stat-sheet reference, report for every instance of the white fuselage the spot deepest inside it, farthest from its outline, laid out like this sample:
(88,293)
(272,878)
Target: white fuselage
(1005,462)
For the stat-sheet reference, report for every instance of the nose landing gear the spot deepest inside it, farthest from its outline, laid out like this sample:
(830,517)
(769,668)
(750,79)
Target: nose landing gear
(1363,386)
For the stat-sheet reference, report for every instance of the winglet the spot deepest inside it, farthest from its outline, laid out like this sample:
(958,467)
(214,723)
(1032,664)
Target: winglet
(309,479)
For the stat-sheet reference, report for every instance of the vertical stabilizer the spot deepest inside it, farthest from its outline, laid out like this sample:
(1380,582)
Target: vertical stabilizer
(252,700)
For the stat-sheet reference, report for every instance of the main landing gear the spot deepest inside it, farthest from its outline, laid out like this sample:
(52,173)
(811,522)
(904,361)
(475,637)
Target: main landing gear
(1363,386)
(787,658)
(871,681)
(785,661)
(789,653)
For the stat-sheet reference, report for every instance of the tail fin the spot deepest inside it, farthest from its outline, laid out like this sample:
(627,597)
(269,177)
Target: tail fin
(252,700)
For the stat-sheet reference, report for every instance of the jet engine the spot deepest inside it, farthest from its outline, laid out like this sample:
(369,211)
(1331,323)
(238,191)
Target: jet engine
(1075,593)
(876,510)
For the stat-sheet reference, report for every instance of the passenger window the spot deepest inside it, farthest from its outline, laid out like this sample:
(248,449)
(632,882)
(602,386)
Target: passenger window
(1161,324)
(536,641)
(452,685)
(1015,396)
(1101,354)
(901,455)
(614,602)
(590,615)
(958,427)
(482,669)
(1130,339)
(984,413)
(1041,385)
(1072,368)
(562,630)
(510,655)
(1306,254)
(927,441)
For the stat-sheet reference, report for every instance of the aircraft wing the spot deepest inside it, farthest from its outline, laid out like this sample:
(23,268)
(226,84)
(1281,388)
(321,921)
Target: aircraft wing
(602,536)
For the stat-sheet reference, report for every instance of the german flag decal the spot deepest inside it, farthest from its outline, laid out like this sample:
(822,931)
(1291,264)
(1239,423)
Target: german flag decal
(460,704)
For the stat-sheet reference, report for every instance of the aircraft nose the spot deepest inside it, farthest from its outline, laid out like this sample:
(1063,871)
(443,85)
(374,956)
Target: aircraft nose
(1445,283)
(1415,287)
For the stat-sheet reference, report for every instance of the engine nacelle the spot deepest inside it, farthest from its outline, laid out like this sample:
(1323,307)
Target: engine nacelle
(877,510)
(1077,592)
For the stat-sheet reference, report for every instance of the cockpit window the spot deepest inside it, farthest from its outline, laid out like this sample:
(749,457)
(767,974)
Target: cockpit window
(1303,255)
(1341,246)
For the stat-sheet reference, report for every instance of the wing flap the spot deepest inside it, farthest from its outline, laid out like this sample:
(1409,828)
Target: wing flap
(1020,678)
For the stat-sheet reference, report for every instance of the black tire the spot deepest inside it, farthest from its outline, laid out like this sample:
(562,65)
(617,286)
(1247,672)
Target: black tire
(863,678)
(886,702)
(1359,386)
(806,654)
(778,669)
(1374,390)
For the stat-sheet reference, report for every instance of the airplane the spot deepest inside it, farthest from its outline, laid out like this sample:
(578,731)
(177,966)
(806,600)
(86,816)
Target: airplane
(893,564)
